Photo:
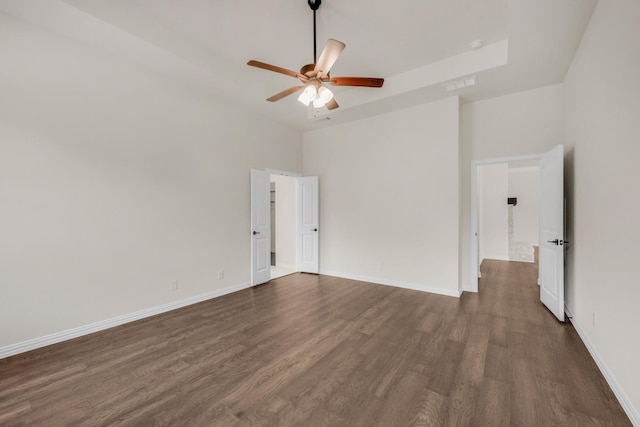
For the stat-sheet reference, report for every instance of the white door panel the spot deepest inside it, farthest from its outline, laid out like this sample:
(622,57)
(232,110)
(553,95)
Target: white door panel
(308,252)
(260,227)
(307,224)
(552,231)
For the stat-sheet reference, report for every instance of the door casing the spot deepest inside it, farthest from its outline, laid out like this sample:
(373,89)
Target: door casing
(474,269)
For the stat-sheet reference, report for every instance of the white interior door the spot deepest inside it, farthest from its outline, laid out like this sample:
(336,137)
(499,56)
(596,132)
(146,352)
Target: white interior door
(552,231)
(307,224)
(260,227)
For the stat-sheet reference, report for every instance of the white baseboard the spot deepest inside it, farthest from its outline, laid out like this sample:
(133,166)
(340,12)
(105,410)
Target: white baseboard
(494,258)
(57,337)
(434,290)
(625,402)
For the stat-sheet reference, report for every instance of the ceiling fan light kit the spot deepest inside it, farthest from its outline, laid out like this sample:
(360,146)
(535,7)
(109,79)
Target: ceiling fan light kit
(308,94)
(323,97)
(314,75)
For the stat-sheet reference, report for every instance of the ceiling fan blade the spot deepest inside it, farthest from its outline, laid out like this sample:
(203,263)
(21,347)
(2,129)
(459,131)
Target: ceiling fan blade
(332,105)
(328,57)
(277,69)
(356,81)
(284,93)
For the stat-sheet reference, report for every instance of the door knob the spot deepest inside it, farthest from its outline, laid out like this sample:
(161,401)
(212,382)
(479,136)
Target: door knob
(256,232)
(556,241)
(315,229)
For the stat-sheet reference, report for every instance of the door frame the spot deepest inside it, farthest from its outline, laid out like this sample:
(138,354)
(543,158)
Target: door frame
(474,262)
(283,173)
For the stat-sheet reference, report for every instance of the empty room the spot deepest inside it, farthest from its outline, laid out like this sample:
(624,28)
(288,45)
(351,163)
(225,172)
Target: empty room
(305,212)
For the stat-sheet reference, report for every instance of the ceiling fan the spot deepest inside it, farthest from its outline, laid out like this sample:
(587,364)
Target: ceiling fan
(313,76)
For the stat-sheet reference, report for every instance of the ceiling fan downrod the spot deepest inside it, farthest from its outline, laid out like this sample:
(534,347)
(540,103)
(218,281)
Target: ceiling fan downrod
(314,5)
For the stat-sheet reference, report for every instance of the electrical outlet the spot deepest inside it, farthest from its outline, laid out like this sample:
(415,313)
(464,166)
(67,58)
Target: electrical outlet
(594,319)
(173,285)
(220,274)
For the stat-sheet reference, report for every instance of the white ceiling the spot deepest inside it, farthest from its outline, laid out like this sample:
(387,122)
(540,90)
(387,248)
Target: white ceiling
(415,45)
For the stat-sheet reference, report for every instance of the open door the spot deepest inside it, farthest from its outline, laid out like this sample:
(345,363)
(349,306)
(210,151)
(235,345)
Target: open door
(307,224)
(552,231)
(260,227)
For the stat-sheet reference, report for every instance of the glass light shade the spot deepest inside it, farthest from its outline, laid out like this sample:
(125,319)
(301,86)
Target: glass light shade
(308,94)
(324,96)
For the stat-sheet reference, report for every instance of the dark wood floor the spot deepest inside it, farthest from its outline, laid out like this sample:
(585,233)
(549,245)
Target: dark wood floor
(309,350)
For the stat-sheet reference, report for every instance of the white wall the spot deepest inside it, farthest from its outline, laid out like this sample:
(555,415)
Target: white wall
(524,183)
(492,212)
(602,96)
(389,196)
(523,123)
(285,221)
(113,182)
(512,125)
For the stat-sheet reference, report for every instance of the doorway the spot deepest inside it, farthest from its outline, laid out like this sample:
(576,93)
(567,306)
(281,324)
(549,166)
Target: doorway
(551,226)
(283,225)
(508,211)
(305,226)
(499,248)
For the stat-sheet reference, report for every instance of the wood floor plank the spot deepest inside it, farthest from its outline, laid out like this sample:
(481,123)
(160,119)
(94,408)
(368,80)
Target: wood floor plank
(498,364)
(492,408)
(462,405)
(471,367)
(354,393)
(11,410)
(444,371)
(397,362)
(432,410)
(524,393)
(320,350)
(404,400)
(554,407)
(499,331)
(321,380)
